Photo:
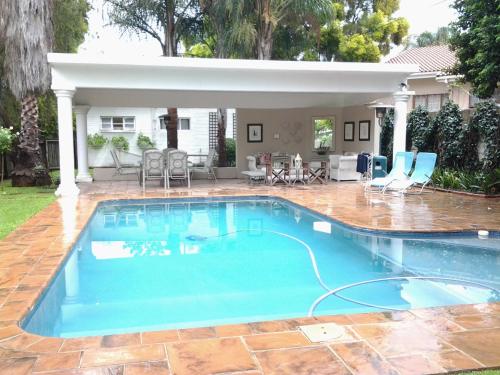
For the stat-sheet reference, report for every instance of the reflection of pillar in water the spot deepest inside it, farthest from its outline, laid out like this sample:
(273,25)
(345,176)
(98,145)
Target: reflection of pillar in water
(72,276)
(394,251)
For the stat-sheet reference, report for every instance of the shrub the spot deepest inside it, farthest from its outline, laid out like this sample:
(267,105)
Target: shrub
(420,130)
(449,126)
(230,152)
(484,122)
(120,143)
(6,139)
(144,142)
(96,141)
(475,181)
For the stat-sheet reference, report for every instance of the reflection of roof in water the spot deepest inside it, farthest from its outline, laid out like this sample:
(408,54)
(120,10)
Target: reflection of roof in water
(194,237)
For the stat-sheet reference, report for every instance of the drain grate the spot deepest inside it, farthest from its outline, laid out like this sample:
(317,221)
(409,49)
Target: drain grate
(323,332)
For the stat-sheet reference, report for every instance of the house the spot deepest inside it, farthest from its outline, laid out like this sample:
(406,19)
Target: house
(197,129)
(280,105)
(433,85)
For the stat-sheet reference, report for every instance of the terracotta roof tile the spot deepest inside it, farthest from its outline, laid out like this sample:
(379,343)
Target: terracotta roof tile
(429,59)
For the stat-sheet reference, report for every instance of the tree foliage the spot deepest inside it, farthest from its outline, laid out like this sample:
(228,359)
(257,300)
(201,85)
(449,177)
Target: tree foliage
(477,45)
(427,38)
(70,24)
(386,136)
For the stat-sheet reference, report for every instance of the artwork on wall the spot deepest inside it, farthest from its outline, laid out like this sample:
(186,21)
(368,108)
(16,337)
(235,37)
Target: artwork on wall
(349,131)
(364,130)
(291,132)
(254,133)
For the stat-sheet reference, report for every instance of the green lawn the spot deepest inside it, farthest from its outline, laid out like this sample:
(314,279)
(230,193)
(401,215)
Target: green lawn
(484,372)
(19,204)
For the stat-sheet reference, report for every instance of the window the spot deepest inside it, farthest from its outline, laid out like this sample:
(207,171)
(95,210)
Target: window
(324,133)
(183,124)
(432,103)
(118,124)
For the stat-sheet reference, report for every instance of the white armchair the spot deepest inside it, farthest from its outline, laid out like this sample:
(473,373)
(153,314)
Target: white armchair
(343,167)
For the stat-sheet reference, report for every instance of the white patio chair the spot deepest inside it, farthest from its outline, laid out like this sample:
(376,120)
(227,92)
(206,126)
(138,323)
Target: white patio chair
(123,169)
(153,167)
(177,167)
(254,174)
(208,166)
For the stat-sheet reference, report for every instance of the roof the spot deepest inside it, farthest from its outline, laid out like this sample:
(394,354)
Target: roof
(211,83)
(429,59)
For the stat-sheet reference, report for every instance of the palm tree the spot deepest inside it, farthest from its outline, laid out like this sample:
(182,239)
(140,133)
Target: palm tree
(166,21)
(26,33)
(270,13)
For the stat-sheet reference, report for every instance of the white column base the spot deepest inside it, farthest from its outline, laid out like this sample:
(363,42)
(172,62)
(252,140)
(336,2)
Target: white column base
(84,178)
(68,190)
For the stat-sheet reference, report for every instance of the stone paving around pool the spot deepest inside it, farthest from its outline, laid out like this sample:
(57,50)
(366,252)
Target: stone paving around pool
(413,342)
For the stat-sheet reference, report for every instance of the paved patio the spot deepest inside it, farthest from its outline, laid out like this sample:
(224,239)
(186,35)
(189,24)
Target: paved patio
(413,342)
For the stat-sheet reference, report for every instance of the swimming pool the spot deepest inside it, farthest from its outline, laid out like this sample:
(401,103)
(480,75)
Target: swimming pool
(157,264)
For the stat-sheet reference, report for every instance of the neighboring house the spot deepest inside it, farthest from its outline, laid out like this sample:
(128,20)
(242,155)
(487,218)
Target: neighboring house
(433,84)
(197,129)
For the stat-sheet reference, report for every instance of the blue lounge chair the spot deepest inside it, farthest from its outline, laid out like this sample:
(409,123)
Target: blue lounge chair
(424,168)
(401,169)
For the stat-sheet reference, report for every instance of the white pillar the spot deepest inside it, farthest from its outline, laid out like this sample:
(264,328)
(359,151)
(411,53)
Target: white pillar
(67,187)
(400,111)
(81,143)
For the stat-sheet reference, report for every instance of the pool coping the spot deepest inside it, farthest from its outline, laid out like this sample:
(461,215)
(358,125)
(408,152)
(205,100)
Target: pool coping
(61,256)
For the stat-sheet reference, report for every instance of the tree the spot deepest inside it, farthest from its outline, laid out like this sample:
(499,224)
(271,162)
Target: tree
(420,130)
(477,45)
(440,37)
(449,126)
(386,137)
(166,21)
(27,34)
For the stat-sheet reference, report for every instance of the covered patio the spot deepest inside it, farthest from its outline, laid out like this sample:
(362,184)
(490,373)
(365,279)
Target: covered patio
(277,94)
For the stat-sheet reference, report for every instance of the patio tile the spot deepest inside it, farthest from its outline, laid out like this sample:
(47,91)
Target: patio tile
(147,368)
(339,319)
(300,361)
(112,370)
(271,326)
(20,342)
(46,345)
(209,356)
(159,336)
(17,366)
(415,365)
(375,330)
(81,343)
(478,321)
(276,340)
(112,356)
(197,333)
(233,330)
(482,345)
(454,361)
(362,359)
(411,340)
(58,361)
(9,331)
(113,341)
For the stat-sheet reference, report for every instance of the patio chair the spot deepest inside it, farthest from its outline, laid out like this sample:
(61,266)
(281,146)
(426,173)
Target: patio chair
(177,167)
(401,169)
(208,166)
(165,153)
(278,170)
(121,168)
(254,174)
(424,168)
(153,167)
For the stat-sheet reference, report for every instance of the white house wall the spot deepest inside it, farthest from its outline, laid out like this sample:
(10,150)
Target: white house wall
(193,141)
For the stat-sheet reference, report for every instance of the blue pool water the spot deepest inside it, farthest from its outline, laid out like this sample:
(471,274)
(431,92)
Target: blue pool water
(159,264)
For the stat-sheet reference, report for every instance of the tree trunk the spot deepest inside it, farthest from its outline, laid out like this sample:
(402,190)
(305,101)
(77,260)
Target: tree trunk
(221,136)
(172,128)
(29,169)
(265,33)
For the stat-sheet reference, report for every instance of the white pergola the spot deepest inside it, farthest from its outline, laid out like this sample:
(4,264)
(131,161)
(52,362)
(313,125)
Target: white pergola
(81,81)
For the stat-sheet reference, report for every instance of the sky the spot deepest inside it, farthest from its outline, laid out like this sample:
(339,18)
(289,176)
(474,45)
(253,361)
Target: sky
(423,15)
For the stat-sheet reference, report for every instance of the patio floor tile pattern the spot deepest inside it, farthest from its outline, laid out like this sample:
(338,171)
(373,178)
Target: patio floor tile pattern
(419,341)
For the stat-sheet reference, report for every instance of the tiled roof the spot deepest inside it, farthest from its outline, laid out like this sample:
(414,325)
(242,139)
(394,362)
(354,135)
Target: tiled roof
(429,59)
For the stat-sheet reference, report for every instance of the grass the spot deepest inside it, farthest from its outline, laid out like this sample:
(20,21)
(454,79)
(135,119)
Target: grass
(481,372)
(19,204)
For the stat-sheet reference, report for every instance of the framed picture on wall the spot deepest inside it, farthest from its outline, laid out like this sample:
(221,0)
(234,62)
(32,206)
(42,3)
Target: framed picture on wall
(349,131)
(254,133)
(364,130)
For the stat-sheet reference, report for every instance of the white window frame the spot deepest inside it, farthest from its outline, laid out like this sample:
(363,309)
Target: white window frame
(179,121)
(130,120)
(334,131)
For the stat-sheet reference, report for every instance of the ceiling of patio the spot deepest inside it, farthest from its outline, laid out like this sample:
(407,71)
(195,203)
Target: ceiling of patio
(212,83)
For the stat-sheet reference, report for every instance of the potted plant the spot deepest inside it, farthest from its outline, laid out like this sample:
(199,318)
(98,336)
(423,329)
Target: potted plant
(144,142)
(96,141)
(120,143)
